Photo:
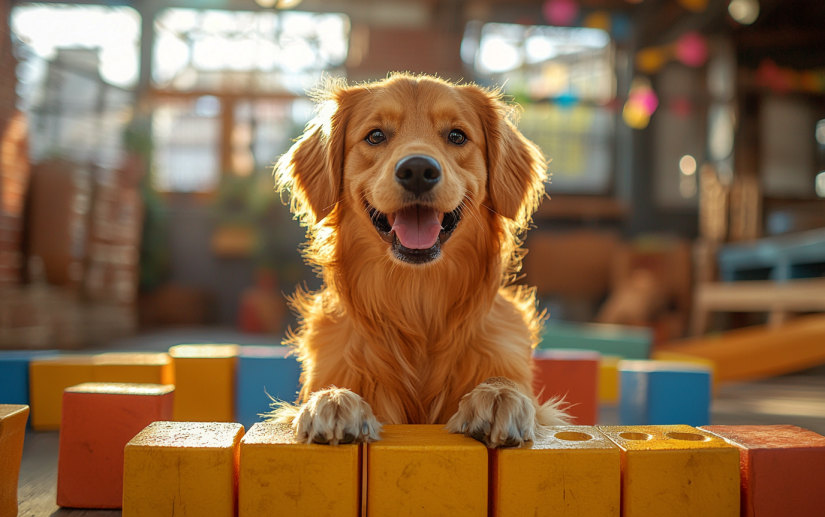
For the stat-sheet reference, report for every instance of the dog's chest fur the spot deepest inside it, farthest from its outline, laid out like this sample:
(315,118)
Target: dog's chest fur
(415,372)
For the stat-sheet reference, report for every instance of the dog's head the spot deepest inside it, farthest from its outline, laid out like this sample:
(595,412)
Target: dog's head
(415,156)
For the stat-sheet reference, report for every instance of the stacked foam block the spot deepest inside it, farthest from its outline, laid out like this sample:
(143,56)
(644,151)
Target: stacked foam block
(422,470)
(214,382)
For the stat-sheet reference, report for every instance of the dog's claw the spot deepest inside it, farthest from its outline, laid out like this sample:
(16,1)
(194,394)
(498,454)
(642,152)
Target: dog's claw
(478,435)
(511,441)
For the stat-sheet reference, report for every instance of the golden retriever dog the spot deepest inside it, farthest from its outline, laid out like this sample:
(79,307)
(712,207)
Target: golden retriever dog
(415,193)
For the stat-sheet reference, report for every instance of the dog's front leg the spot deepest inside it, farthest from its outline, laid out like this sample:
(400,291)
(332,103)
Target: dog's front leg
(498,414)
(333,415)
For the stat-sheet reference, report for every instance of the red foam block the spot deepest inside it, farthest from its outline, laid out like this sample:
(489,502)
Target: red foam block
(572,374)
(99,419)
(782,469)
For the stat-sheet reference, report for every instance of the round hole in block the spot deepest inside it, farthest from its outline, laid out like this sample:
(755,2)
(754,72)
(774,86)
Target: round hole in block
(572,436)
(635,436)
(688,437)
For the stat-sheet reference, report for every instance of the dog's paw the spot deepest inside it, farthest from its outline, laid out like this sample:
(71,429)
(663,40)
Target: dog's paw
(331,416)
(497,414)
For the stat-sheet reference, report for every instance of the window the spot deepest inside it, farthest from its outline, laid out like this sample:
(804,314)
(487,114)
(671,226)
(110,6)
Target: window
(230,89)
(246,51)
(187,144)
(564,80)
(78,66)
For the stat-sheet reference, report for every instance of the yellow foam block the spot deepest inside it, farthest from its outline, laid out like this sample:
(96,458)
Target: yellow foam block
(48,377)
(676,470)
(574,470)
(279,477)
(182,468)
(12,431)
(142,368)
(204,382)
(609,379)
(421,470)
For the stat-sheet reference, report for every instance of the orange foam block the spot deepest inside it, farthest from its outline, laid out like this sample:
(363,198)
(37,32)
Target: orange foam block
(572,374)
(422,470)
(205,382)
(99,419)
(782,469)
(12,431)
(182,469)
(573,470)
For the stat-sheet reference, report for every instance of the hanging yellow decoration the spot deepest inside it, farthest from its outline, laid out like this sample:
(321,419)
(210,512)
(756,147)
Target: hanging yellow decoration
(598,20)
(651,59)
(697,6)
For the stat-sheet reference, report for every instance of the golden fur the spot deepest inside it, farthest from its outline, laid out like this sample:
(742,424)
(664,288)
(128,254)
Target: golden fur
(412,340)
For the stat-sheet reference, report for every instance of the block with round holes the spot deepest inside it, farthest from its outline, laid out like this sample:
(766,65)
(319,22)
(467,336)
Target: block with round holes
(204,382)
(572,374)
(422,470)
(182,468)
(280,477)
(574,470)
(676,470)
(12,432)
(782,469)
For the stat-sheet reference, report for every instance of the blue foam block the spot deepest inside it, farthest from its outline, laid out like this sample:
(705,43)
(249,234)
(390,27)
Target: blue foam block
(264,371)
(664,393)
(14,374)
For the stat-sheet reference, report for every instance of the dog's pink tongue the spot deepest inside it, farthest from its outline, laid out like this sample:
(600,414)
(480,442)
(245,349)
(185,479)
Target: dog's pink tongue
(417,227)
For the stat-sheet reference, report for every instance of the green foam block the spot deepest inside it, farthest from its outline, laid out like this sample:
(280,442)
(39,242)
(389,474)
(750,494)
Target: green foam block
(626,342)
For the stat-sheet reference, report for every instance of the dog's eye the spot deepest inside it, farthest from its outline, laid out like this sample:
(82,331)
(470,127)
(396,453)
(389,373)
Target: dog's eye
(457,137)
(376,136)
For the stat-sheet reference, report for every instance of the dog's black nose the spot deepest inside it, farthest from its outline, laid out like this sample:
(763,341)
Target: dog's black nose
(417,173)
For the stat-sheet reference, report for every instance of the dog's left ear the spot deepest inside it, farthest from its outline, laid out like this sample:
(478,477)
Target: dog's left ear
(516,168)
(517,171)
(312,169)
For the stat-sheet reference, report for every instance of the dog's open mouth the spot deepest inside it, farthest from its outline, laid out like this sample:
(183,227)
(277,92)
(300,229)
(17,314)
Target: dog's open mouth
(415,233)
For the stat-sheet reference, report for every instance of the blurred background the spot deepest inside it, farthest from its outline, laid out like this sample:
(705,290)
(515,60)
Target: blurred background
(687,140)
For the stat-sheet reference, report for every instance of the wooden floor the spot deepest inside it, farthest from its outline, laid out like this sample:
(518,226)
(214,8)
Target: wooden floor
(797,399)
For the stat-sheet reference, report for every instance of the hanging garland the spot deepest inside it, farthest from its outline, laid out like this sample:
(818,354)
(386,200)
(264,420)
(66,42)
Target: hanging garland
(786,80)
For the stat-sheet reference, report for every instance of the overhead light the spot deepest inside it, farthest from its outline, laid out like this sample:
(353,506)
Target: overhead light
(279,4)
(744,11)
(288,4)
(687,165)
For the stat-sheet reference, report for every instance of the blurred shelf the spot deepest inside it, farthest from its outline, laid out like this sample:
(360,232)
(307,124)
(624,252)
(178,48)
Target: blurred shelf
(582,208)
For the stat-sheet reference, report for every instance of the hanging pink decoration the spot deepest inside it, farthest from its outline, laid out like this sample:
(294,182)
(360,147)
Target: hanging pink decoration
(561,12)
(692,49)
(646,99)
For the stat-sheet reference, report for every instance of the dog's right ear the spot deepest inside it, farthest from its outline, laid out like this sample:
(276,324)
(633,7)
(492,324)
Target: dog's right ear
(312,170)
